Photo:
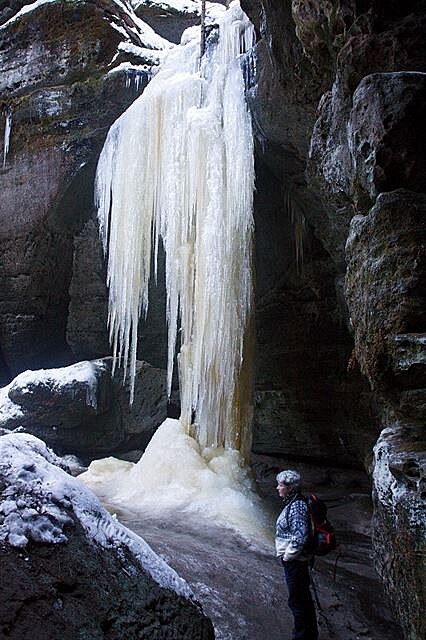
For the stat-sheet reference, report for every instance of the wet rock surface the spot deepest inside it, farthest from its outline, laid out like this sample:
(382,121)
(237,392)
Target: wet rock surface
(56,83)
(352,76)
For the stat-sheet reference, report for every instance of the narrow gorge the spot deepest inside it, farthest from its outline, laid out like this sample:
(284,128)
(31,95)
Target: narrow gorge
(211,268)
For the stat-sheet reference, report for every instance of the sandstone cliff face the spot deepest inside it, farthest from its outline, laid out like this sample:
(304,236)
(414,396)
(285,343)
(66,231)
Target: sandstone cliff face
(57,84)
(341,93)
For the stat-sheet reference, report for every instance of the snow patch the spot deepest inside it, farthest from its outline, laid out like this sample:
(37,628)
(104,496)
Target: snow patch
(38,500)
(214,10)
(152,56)
(7,131)
(8,409)
(146,34)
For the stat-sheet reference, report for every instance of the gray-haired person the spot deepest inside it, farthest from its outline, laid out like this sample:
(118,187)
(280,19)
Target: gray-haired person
(292,533)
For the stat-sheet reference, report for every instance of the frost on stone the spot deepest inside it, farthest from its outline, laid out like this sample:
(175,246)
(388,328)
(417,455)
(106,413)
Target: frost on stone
(399,479)
(9,411)
(40,502)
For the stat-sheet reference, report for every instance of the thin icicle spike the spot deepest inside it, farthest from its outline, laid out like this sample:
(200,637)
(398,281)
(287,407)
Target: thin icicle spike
(7,131)
(177,167)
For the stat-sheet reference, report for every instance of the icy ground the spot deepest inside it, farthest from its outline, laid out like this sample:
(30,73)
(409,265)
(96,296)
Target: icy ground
(175,473)
(240,584)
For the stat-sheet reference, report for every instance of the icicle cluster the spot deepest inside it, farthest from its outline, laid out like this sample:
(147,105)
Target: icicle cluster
(7,131)
(177,167)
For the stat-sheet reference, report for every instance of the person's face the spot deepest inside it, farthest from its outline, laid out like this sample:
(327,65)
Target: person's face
(283,490)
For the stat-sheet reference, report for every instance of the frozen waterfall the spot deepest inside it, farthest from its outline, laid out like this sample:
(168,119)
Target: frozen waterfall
(177,167)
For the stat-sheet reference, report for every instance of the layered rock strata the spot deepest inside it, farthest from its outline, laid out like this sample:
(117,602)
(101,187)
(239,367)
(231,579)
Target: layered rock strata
(341,93)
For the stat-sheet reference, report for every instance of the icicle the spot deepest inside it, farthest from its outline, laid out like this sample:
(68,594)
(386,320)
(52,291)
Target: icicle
(177,167)
(7,130)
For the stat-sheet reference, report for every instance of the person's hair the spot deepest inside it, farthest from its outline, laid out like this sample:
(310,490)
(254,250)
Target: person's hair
(290,478)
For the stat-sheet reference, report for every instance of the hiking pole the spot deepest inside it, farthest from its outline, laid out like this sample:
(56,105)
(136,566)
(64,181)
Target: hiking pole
(314,589)
(338,554)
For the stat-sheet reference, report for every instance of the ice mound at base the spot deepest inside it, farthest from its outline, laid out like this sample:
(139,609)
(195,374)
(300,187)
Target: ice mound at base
(175,474)
(40,503)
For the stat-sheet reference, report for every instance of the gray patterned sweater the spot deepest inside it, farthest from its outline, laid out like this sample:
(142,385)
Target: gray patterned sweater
(292,530)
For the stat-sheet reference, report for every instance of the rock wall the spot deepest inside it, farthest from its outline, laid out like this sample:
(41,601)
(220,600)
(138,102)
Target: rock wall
(58,81)
(339,111)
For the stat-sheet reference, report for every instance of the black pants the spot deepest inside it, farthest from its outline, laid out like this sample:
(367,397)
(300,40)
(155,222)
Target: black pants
(300,600)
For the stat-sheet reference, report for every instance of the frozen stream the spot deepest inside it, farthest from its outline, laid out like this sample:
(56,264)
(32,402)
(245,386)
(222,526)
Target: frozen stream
(239,583)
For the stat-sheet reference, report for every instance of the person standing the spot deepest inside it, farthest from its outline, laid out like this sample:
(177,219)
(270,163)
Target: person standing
(292,534)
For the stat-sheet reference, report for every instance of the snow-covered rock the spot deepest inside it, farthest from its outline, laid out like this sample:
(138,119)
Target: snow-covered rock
(86,572)
(69,392)
(83,409)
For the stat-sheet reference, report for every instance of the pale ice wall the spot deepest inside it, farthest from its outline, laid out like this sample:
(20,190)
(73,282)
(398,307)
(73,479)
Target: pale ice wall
(177,167)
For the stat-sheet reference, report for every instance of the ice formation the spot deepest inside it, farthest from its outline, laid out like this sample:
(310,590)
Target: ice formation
(7,131)
(39,500)
(176,475)
(177,168)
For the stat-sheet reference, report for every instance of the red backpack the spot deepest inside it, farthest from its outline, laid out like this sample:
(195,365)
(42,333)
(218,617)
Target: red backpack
(322,538)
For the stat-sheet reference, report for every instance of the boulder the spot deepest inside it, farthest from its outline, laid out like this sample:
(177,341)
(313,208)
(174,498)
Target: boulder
(71,570)
(83,409)
(386,152)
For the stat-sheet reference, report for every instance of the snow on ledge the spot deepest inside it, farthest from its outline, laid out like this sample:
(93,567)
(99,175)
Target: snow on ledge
(185,7)
(39,497)
(81,372)
(26,9)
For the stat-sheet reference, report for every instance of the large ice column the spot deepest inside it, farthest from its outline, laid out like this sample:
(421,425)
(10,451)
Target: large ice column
(177,167)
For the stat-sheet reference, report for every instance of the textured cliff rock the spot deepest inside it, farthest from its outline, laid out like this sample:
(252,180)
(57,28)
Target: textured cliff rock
(70,570)
(400,522)
(340,93)
(386,294)
(59,85)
